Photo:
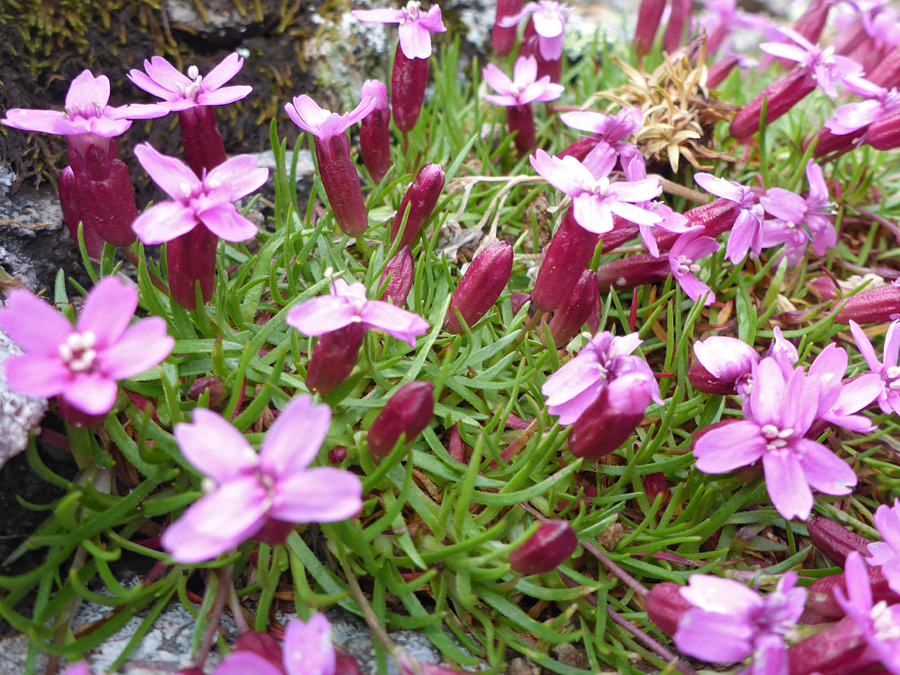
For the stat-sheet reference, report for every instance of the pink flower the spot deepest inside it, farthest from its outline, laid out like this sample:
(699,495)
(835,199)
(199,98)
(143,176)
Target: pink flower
(879,623)
(730,622)
(688,248)
(781,411)
(575,386)
(416,26)
(322,123)
(308,650)
(633,166)
(347,305)
(82,363)
(828,69)
(594,198)
(611,128)
(207,201)
(839,399)
(886,554)
(889,372)
(524,88)
(549,19)
(181,92)
(724,365)
(746,235)
(860,114)
(250,490)
(86,112)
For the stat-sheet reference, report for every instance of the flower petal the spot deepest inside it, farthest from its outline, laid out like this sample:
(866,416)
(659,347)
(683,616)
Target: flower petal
(142,346)
(320,495)
(415,40)
(729,447)
(786,484)
(824,470)
(163,222)
(235,178)
(243,662)
(215,447)
(226,223)
(722,596)
(719,187)
(592,213)
(44,121)
(379,15)
(308,649)
(224,71)
(293,442)
(321,315)
(225,95)
(497,79)
(171,174)
(108,310)
(33,324)
(165,74)
(218,522)
(93,393)
(87,91)
(718,638)
(140,79)
(399,323)
(37,375)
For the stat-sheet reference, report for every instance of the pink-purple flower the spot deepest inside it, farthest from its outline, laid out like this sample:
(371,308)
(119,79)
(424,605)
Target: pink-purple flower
(416,26)
(82,363)
(594,198)
(549,19)
(889,371)
(612,129)
(86,112)
(307,650)
(730,622)
(886,554)
(688,248)
(180,92)
(727,359)
(828,68)
(575,386)
(523,88)
(322,123)
(839,399)
(746,235)
(854,116)
(780,412)
(347,305)
(248,490)
(208,201)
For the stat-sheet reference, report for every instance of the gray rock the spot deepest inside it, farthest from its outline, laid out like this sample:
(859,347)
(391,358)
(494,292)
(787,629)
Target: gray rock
(18,414)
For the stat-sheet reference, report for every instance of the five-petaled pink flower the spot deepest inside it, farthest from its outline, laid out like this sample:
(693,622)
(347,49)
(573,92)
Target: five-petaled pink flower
(730,622)
(251,490)
(207,201)
(416,26)
(575,386)
(524,88)
(82,363)
(594,198)
(781,411)
(746,235)
(889,371)
(612,129)
(86,112)
(851,117)
(549,19)
(828,69)
(181,92)
(322,123)
(688,248)
(346,305)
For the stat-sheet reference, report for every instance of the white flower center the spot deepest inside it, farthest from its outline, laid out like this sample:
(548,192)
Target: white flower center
(601,186)
(777,437)
(686,265)
(412,11)
(78,351)
(883,621)
(193,89)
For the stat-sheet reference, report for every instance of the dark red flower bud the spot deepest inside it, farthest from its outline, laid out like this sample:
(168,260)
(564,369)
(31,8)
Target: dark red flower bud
(812,22)
(884,134)
(718,71)
(191,257)
(833,145)
(504,39)
(824,288)
(887,73)
(835,541)
(583,301)
(375,131)
(203,146)
(780,97)
(408,412)
(566,257)
(655,484)
(821,598)
(408,81)
(72,209)
(337,454)
(261,644)
(211,383)
(830,652)
(274,531)
(679,17)
(345,664)
(612,418)
(480,286)
(635,270)
(649,16)
(665,606)
(191,671)
(419,200)
(518,301)
(107,201)
(341,182)
(397,278)
(333,358)
(878,305)
(546,549)
(520,121)
(455,447)
(848,39)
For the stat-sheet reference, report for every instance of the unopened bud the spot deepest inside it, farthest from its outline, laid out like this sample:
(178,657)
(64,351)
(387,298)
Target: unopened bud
(612,418)
(397,278)
(409,79)
(583,302)
(666,606)
(375,131)
(455,446)
(408,412)
(679,17)
(780,97)
(518,301)
(333,358)
(835,650)
(580,148)
(520,121)
(480,286)
(823,288)
(203,146)
(337,454)
(107,201)
(812,22)
(261,644)
(835,541)
(79,418)
(887,73)
(419,201)
(72,208)
(633,271)
(213,385)
(820,597)
(878,305)
(654,485)
(718,71)
(546,549)
(566,257)
(191,257)
(503,39)
(649,16)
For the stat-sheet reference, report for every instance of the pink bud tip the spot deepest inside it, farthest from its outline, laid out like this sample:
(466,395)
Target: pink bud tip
(397,278)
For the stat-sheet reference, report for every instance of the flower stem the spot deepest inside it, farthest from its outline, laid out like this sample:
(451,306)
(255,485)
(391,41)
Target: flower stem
(215,615)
